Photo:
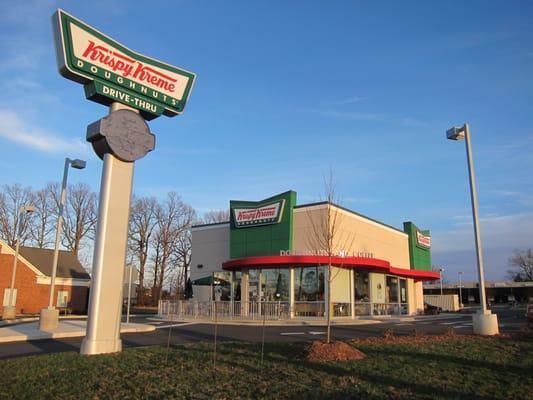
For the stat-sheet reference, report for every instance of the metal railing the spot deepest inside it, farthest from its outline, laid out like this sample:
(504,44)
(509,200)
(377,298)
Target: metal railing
(271,310)
(309,309)
(367,308)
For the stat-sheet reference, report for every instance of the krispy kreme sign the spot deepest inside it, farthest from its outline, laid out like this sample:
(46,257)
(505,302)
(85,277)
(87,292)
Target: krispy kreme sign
(262,215)
(112,72)
(423,240)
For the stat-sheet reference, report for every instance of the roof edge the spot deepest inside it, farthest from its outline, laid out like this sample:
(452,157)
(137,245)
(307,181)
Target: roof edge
(320,203)
(210,224)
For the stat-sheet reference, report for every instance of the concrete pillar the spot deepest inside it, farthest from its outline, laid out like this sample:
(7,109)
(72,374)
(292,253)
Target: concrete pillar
(485,323)
(399,296)
(232,293)
(105,303)
(291,291)
(352,293)
(327,307)
(245,292)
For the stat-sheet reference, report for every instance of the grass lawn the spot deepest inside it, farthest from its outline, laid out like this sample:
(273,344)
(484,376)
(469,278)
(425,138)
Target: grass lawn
(482,368)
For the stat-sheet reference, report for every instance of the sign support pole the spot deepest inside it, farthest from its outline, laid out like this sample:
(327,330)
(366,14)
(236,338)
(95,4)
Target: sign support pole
(105,302)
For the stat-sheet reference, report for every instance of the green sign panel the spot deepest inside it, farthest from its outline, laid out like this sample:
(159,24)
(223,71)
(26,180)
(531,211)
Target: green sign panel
(264,214)
(419,247)
(262,228)
(112,72)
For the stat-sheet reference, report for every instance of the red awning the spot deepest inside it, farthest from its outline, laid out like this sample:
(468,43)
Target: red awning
(374,264)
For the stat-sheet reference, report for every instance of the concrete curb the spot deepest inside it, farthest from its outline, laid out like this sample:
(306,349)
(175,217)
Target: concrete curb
(66,329)
(64,317)
(367,320)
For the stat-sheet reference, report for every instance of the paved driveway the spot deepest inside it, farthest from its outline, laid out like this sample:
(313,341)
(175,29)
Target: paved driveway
(511,320)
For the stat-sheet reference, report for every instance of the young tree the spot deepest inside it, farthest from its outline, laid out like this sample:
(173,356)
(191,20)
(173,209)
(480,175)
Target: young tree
(522,265)
(142,225)
(11,199)
(328,239)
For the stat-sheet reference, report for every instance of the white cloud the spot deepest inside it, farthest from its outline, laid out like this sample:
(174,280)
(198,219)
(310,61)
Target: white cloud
(507,231)
(413,122)
(347,114)
(15,129)
(500,236)
(349,100)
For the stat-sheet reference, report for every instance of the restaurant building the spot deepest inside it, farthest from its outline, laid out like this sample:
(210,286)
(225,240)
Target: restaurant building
(273,257)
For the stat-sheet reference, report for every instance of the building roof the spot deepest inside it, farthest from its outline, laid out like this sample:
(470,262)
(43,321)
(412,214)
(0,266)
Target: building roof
(68,265)
(320,203)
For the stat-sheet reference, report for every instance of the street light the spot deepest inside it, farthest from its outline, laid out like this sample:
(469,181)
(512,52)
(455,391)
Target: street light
(460,289)
(484,323)
(10,311)
(441,270)
(49,317)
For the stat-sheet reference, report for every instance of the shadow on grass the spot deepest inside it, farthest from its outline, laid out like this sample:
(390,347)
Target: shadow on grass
(291,354)
(463,362)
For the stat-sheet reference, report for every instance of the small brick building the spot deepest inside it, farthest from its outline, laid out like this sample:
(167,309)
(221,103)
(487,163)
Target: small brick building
(32,283)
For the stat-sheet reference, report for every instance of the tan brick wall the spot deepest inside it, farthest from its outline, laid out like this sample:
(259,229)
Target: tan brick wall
(354,234)
(32,297)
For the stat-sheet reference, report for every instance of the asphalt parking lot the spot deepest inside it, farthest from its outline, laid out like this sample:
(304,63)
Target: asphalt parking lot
(510,320)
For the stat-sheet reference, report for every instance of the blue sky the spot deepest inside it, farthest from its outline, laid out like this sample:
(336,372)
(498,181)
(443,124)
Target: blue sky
(286,91)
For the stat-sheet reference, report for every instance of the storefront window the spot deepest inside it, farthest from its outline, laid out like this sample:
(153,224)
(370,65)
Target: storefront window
(309,283)
(403,290)
(362,287)
(237,277)
(221,286)
(275,284)
(392,290)
(253,285)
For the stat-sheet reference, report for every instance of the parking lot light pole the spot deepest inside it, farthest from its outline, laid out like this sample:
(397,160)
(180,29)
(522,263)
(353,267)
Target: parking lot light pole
(10,311)
(484,323)
(49,317)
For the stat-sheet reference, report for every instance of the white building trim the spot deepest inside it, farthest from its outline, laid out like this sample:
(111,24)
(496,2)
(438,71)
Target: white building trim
(45,280)
(6,249)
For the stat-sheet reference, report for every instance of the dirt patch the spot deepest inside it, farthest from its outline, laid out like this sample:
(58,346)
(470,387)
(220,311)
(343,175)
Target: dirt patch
(334,351)
(417,338)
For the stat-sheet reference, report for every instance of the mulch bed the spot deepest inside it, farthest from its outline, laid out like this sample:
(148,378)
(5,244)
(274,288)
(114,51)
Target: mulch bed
(335,351)
(390,338)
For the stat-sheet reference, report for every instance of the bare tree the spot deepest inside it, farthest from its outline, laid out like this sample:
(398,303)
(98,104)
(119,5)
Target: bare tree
(522,265)
(142,225)
(181,259)
(11,199)
(174,218)
(45,219)
(80,215)
(214,216)
(327,238)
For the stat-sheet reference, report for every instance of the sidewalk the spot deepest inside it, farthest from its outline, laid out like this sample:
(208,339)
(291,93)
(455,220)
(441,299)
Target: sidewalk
(66,329)
(362,320)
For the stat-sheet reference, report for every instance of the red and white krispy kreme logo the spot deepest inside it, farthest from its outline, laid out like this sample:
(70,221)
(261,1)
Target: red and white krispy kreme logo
(423,240)
(260,215)
(127,67)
